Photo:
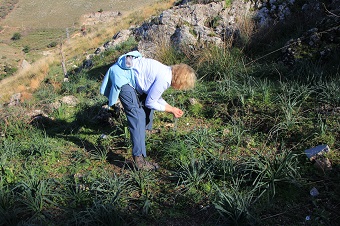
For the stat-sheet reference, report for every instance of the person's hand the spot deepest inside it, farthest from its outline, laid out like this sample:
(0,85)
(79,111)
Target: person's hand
(177,112)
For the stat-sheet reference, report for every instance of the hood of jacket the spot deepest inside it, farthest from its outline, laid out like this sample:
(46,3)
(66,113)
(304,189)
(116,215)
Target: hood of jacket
(125,61)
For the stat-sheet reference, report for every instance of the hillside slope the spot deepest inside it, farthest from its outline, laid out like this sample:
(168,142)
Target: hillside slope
(62,13)
(56,23)
(236,157)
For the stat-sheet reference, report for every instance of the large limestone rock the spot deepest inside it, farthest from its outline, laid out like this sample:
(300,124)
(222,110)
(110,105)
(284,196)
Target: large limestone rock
(194,26)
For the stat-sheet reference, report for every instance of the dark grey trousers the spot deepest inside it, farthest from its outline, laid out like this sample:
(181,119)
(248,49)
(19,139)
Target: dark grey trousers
(139,118)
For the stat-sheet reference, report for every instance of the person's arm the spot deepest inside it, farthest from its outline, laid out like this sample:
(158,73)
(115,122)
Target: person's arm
(154,98)
(155,101)
(175,111)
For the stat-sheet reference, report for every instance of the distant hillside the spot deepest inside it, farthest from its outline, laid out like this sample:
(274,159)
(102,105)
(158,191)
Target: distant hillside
(44,23)
(62,13)
(6,6)
(37,43)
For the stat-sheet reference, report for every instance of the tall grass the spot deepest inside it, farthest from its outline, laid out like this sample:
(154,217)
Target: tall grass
(215,63)
(273,169)
(100,214)
(8,211)
(236,203)
(329,92)
(291,99)
(35,197)
(166,53)
(195,174)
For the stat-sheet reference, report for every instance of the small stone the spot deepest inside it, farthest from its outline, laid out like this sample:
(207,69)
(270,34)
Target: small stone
(103,136)
(323,164)
(69,100)
(314,192)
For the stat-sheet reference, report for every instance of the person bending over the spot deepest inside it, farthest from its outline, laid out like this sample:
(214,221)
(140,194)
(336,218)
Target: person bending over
(139,83)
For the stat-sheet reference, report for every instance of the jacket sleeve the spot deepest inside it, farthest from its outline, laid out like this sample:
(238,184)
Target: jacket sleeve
(106,85)
(109,87)
(154,98)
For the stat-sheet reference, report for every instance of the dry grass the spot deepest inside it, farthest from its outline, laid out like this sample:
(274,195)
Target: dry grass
(63,13)
(28,80)
(246,26)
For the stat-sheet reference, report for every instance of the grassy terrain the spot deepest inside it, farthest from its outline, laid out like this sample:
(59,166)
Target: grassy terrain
(6,6)
(236,157)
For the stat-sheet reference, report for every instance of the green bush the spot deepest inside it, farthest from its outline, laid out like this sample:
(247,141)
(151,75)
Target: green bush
(26,49)
(52,44)
(9,70)
(16,36)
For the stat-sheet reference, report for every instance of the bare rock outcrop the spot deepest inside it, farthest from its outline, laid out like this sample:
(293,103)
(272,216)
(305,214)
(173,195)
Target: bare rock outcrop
(195,26)
(191,25)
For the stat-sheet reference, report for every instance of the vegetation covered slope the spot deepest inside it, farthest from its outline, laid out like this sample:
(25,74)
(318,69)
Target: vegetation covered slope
(235,158)
(33,30)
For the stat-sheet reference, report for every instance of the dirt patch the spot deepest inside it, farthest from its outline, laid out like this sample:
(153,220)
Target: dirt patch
(91,19)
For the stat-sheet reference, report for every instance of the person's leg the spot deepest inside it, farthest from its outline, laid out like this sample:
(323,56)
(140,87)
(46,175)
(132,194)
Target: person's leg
(149,118)
(136,122)
(148,113)
(136,119)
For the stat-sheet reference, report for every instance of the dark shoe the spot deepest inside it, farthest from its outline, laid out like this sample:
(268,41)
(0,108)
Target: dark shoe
(142,164)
